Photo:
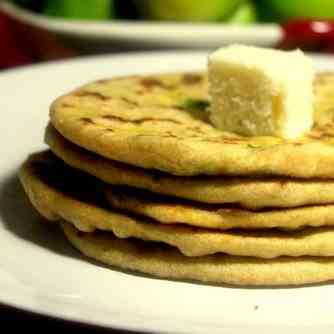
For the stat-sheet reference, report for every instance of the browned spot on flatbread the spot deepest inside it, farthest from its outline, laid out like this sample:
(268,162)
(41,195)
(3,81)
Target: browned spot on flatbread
(86,120)
(67,105)
(232,140)
(197,129)
(169,134)
(326,135)
(314,134)
(151,119)
(140,120)
(150,83)
(128,101)
(191,78)
(103,81)
(96,95)
(111,117)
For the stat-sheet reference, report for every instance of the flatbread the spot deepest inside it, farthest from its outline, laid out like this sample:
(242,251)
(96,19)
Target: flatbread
(59,194)
(253,193)
(169,210)
(166,262)
(153,122)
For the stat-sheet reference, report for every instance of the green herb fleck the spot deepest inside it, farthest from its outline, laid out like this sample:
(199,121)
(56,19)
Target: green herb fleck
(195,104)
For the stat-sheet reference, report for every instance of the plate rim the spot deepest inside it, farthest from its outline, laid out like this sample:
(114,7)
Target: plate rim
(267,33)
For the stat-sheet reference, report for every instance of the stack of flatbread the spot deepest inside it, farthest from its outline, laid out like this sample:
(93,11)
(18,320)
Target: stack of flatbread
(139,179)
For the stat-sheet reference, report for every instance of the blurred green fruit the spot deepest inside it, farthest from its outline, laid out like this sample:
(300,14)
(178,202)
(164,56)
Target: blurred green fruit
(246,13)
(80,9)
(35,5)
(187,10)
(265,12)
(322,9)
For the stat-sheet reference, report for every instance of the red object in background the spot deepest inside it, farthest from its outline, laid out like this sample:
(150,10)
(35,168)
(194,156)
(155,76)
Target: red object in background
(11,53)
(308,35)
(21,44)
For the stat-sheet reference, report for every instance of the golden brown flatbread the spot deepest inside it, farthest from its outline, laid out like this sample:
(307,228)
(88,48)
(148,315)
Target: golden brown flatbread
(156,122)
(60,194)
(166,262)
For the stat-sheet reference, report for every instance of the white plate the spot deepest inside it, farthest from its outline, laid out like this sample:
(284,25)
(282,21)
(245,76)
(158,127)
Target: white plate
(39,271)
(144,34)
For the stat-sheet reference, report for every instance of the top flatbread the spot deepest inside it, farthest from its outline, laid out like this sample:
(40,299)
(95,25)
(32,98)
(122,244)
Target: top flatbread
(156,122)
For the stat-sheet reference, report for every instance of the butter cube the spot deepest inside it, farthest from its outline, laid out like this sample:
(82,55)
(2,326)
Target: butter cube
(261,92)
